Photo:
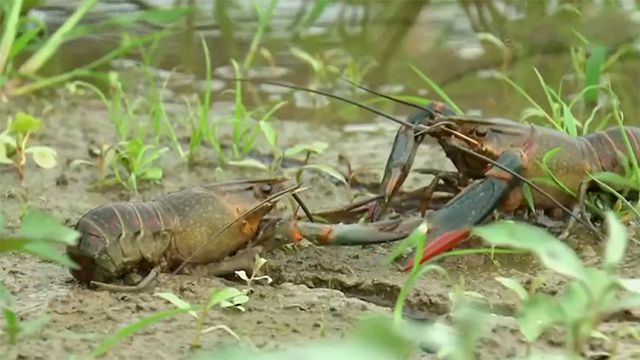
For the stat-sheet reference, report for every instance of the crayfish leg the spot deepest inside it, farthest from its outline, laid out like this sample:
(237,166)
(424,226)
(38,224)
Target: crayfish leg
(244,260)
(129,288)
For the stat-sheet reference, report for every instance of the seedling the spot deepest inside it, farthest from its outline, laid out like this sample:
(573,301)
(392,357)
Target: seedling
(138,162)
(592,293)
(259,262)
(38,235)
(228,297)
(13,144)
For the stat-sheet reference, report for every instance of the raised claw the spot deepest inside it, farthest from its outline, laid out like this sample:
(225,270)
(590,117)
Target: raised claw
(403,152)
(450,225)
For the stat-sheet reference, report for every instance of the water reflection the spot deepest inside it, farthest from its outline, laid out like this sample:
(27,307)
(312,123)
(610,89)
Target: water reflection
(453,42)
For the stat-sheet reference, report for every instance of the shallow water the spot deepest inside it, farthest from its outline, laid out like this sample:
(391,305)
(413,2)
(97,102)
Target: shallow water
(376,40)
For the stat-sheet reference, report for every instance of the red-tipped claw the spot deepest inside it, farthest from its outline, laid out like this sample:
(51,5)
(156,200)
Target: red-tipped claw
(442,243)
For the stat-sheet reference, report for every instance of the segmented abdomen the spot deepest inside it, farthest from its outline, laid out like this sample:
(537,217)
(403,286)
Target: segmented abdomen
(606,143)
(119,236)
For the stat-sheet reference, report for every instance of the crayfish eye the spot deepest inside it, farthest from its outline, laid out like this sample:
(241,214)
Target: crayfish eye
(266,189)
(480,132)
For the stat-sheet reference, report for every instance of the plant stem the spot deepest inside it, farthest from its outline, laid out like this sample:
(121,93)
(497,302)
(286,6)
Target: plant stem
(10,29)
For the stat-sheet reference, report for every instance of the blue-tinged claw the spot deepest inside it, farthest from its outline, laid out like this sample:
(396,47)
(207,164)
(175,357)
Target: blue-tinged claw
(403,152)
(451,224)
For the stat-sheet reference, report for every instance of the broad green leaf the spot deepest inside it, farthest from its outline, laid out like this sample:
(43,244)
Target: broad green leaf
(574,302)
(37,225)
(536,314)
(249,163)
(553,253)
(632,285)
(48,252)
(325,169)
(599,284)
(617,240)
(177,301)
(44,156)
(514,285)
(317,147)
(2,222)
(25,123)
(269,132)
(153,173)
(217,297)
(235,302)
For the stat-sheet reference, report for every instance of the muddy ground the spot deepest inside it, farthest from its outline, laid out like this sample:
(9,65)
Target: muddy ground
(316,293)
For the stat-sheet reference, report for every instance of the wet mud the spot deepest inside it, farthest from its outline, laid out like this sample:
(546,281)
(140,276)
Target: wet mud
(317,292)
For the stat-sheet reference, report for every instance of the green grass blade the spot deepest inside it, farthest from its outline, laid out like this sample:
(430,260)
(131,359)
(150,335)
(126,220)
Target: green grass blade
(10,29)
(240,113)
(314,14)
(206,104)
(548,92)
(593,71)
(533,102)
(264,19)
(418,237)
(35,62)
(12,327)
(22,41)
(84,71)
(128,330)
(437,89)
(617,241)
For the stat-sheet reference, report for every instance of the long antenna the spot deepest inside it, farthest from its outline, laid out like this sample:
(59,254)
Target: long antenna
(240,217)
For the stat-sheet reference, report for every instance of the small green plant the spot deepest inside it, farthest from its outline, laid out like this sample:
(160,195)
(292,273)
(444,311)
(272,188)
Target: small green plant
(257,265)
(225,298)
(130,159)
(591,294)
(14,148)
(374,338)
(38,235)
(138,162)
(264,20)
